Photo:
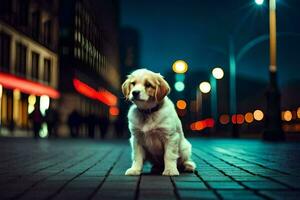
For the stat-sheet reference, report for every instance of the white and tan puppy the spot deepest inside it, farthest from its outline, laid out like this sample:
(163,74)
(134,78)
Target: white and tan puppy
(156,131)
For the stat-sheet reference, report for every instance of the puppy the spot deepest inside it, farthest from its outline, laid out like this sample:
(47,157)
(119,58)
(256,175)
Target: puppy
(156,131)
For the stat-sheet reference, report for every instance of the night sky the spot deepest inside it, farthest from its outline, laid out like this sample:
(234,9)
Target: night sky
(197,31)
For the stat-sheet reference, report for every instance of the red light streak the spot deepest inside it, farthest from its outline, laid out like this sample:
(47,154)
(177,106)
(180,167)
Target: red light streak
(27,86)
(202,124)
(102,95)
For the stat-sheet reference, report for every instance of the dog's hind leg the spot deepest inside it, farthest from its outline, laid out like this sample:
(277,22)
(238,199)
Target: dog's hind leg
(185,156)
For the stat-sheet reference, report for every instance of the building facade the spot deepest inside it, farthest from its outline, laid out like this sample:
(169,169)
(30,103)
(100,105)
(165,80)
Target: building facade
(28,61)
(89,62)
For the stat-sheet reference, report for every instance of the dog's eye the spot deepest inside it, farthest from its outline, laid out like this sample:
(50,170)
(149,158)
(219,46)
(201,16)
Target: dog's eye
(148,85)
(133,83)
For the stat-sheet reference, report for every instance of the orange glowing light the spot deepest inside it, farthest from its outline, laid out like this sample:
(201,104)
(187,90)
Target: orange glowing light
(181,104)
(249,117)
(114,111)
(200,125)
(102,95)
(224,119)
(287,115)
(27,86)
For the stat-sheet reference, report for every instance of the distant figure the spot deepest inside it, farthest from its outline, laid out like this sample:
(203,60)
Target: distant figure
(119,127)
(103,125)
(36,118)
(74,123)
(91,121)
(51,119)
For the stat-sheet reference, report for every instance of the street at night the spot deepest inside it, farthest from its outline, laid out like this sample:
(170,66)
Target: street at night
(149,99)
(86,169)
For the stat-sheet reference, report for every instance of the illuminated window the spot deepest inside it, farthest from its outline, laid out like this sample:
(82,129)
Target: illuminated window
(16,105)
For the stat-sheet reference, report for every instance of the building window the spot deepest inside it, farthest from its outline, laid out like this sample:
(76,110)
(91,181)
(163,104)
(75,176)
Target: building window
(47,32)
(47,70)
(35,65)
(36,17)
(22,12)
(21,58)
(5,40)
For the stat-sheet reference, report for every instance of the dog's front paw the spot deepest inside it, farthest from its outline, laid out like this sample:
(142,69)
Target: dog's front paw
(132,172)
(171,172)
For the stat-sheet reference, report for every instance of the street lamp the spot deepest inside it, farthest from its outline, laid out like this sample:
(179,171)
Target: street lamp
(273,129)
(217,73)
(204,87)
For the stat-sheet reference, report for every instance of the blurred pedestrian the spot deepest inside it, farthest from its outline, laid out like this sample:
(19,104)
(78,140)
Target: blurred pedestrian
(91,122)
(119,127)
(36,118)
(103,125)
(51,119)
(74,123)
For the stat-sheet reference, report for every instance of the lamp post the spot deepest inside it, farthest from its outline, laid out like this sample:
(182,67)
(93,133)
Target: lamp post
(273,130)
(217,74)
(204,88)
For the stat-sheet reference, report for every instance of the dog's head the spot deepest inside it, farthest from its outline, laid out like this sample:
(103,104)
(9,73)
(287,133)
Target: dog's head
(144,87)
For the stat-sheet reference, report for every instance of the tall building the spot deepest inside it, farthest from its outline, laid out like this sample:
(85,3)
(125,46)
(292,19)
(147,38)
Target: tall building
(28,61)
(89,60)
(130,60)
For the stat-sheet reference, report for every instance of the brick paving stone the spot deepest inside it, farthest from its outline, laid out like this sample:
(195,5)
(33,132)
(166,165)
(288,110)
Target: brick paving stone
(115,195)
(238,194)
(279,195)
(186,178)
(263,185)
(249,178)
(189,185)
(153,194)
(224,185)
(196,194)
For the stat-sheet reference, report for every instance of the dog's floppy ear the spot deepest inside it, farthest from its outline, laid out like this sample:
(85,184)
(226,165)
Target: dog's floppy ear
(126,88)
(162,88)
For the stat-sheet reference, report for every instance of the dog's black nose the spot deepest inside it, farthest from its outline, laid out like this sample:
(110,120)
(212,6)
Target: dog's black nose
(135,94)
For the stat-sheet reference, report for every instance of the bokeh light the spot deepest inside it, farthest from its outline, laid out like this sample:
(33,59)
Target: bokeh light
(239,118)
(287,115)
(44,104)
(204,87)
(258,115)
(259,2)
(114,111)
(249,117)
(179,86)
(218,73)
(224,119)
(180,67)
(298,112)
(181,104)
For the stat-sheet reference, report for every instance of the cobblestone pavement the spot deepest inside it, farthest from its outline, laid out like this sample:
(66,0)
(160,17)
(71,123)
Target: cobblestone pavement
(85,169)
